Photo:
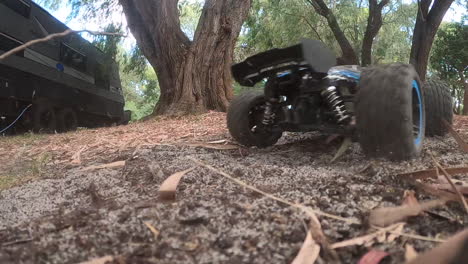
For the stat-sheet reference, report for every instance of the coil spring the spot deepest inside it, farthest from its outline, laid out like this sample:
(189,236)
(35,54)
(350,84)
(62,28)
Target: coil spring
(268,115)
(336,104)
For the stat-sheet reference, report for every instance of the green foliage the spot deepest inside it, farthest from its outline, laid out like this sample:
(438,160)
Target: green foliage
(190,13)
(280,23)
(449,57)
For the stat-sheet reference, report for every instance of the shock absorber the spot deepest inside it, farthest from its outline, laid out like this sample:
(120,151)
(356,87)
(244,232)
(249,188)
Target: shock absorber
(336,104)
(268,115)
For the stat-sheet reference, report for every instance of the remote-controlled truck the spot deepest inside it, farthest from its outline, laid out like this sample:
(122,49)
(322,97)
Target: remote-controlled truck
(383,107)
(55,85)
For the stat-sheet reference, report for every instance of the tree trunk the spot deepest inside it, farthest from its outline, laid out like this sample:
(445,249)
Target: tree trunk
(349,55)
(427,23)
(194,76)
(465,95)
(374,23)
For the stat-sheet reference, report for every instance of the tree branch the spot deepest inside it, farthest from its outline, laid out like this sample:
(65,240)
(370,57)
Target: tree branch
(52,36)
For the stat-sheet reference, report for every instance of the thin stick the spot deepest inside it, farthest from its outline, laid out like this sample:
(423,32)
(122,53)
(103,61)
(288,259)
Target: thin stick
(418,237)
(52,36)
(305,209)
(447,176)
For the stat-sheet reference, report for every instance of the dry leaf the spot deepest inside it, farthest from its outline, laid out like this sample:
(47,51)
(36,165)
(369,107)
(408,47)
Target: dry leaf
(389,215)
(102,260)
(331,138)
(152,229)
(168,187)
(432,173)
(461,143)
(373,257)
(309,251)
(357,241)
(448,178)
(451,251)
(409,198)
(112,165)
(410,252)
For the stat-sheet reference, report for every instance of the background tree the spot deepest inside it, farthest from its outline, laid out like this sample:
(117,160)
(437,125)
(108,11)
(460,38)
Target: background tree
(427,22)
(450,60)
(193,75)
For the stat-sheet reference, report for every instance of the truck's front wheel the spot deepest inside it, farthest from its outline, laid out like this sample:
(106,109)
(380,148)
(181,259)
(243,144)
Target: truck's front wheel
(390,113)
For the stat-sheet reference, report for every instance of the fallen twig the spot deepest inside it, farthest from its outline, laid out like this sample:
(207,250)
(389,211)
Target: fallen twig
(306,209)
(452,251)
(213,146)
(112,165)
(101,260)
(461,143)
(315,227)
(52,36)
(361,240)
(447,176)
(347,142)
(152,229)
(17,242)
(432,173)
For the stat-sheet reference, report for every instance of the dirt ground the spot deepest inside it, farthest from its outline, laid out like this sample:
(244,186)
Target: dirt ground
(55,208)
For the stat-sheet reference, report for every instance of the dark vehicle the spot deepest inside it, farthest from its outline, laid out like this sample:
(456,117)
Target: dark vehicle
(63,83)
(382,107)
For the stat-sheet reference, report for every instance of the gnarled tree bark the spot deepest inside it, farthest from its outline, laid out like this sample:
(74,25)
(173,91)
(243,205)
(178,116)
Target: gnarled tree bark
(427,23)
(194,75)
(374,23)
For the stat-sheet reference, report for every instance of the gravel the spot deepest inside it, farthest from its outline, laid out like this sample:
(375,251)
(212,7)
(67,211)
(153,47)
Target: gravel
(83,215)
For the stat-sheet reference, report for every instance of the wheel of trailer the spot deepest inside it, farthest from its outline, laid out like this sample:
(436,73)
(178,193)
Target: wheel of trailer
(44,119)
(67,120)
(127,116)
(438,107)
(244,121)
(390,113)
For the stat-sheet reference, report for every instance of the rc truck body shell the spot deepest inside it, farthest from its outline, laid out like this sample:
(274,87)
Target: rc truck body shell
(67,72)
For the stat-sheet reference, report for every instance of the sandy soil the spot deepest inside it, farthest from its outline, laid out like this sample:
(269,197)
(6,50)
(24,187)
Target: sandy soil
(64,214)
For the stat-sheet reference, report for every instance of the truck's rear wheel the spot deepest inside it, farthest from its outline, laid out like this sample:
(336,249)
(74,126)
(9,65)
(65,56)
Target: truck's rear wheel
(390,115)
(44,119)
(67,120)
(438,107)
(244,121)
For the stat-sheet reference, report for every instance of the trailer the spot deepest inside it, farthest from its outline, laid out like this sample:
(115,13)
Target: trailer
(57,85)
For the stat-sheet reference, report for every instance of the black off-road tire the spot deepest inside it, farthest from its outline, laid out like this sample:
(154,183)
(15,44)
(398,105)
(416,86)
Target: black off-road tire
(126,117)
(44,118)
(67,120)
(243,115)
(438,107)
(384,112)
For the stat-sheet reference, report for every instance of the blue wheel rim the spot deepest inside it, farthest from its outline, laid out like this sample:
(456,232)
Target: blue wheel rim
(418,124)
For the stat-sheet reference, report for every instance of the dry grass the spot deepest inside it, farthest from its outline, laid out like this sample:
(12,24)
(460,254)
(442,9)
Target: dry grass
(26,157)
